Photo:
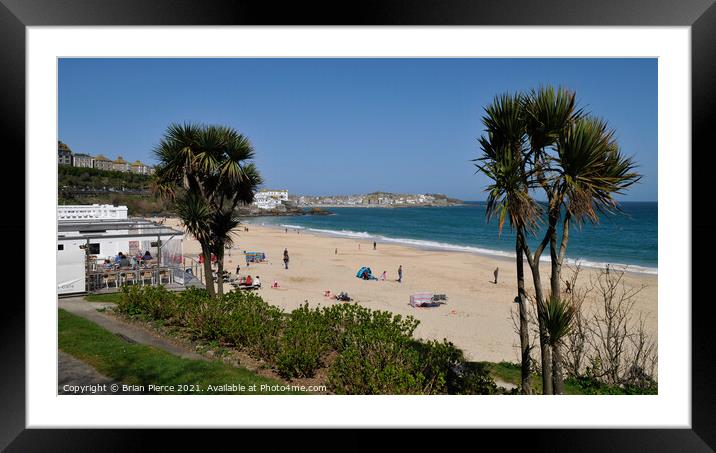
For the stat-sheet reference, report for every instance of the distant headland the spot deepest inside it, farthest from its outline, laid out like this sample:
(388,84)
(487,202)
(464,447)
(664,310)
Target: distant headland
(375,200)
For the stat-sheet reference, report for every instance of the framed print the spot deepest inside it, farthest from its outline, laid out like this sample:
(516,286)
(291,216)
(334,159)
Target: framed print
(380,170)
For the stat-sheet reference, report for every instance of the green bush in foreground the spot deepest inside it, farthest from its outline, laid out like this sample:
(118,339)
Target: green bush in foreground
(253,324)
(304,342)
(155,302)
(374,351)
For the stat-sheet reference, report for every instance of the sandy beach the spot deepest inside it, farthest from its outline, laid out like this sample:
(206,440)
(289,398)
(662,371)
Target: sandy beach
(476,317)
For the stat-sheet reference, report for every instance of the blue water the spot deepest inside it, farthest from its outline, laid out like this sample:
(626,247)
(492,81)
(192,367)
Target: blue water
(629,238)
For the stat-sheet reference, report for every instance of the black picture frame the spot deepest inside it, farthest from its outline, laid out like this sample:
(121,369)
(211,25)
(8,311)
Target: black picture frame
(700,15)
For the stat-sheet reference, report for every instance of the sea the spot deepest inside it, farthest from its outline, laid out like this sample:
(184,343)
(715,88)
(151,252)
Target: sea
(627,238)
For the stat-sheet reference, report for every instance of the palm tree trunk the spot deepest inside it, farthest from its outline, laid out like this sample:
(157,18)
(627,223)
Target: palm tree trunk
(533,260)
(208,276)
(557,378)
(526,387)
(220,271)
(556,265)
(543,334)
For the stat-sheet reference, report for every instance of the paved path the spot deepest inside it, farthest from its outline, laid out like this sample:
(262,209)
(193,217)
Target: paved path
(88,310)
(507,385)
(74,376)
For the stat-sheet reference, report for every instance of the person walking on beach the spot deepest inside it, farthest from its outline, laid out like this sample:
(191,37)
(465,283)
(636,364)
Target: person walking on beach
(497,271)
(373,245)
(238,268)
(400,274)
(285,258)
(336,252)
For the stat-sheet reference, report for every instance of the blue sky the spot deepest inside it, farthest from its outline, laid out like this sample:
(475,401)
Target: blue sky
(342,126)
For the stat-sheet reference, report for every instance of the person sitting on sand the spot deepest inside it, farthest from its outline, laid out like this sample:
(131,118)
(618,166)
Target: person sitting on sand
(257,282)
(249,281)
(384,276)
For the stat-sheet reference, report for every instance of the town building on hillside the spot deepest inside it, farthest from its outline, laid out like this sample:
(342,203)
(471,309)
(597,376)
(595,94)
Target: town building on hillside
(139,168)
(102,163)
(269,198)
(120,164)
(83,160)
(64,154)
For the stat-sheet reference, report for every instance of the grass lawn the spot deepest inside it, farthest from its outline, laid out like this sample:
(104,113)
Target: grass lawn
(109,297)
(133,363)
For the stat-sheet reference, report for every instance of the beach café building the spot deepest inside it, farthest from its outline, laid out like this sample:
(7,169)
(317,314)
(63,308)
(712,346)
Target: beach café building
(84,245)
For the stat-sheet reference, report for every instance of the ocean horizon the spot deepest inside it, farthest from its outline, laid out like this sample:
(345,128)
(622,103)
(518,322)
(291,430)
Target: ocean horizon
(628,239)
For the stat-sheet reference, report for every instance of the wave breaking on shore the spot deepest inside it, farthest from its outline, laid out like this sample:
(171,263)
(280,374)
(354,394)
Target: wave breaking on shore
(433,245)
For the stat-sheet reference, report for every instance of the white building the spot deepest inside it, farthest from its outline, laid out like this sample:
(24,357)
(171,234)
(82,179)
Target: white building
(84,242)
(91,212)
(270,199)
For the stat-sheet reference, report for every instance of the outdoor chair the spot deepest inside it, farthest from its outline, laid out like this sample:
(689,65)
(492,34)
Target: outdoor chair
(165,274)
(147,275)
(125,277)
(109,278)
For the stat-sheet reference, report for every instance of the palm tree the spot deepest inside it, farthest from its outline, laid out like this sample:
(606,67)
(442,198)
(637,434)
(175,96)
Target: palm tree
(212,164)
(558,318)
(547,113)
(542,140)
(508,195)
(590,170)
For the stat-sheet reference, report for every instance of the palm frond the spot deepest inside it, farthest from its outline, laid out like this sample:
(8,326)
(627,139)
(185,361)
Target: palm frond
(558,316)
(593,169)
(195,215)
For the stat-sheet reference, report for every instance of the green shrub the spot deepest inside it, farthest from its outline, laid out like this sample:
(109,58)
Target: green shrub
(206,319)
(304,342)
(253,324)
(131,302)
(153,302)
(368,367)
(436,360)
(470,378)
(376,353)
(351,319)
